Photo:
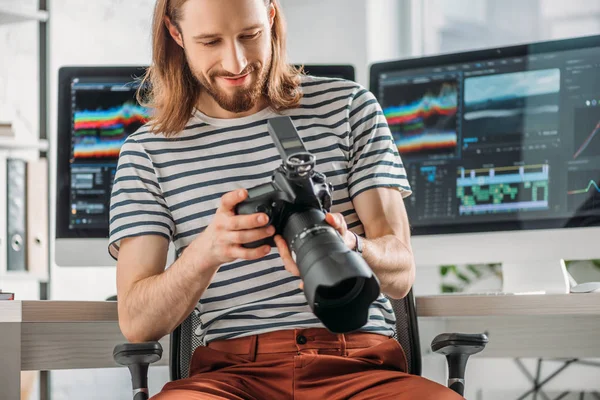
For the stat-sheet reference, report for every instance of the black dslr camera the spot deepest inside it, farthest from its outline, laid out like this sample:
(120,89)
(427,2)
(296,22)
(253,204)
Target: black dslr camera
(338,284)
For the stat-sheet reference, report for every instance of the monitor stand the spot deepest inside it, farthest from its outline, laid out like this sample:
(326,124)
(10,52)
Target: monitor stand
(536,277)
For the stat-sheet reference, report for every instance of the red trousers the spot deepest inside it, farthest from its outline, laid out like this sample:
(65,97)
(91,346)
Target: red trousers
(303,364)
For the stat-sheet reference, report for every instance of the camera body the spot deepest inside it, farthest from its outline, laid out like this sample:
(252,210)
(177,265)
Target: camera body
(288,193)
(338,284)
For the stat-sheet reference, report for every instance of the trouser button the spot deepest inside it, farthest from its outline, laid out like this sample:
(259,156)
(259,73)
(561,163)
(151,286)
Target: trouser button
(301,339)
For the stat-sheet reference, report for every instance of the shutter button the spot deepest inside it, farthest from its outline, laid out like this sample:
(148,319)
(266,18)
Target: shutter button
(300,339)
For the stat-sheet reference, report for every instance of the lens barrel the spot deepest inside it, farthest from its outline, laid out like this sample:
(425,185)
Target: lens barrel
(338,284)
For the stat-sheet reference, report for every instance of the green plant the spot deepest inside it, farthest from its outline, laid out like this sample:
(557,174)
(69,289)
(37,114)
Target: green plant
(465,276)
(470,273)
(596,263)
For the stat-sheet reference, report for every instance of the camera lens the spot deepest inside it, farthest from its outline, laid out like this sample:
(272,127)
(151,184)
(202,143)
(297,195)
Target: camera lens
(339,294)
(338,283)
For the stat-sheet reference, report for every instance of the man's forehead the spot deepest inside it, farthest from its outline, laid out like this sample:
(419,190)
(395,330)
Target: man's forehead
(221,16)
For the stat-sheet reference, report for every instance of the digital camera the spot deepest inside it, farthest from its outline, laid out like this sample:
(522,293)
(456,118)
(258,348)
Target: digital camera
(338,284)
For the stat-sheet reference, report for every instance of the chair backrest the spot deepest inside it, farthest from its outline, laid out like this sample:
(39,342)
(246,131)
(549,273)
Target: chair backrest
(184,342)
(407,331)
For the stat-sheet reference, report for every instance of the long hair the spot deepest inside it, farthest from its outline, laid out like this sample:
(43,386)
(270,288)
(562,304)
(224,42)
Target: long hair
(171,90)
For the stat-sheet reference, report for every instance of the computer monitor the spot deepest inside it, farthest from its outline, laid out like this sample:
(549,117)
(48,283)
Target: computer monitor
(97,110)
(502,149)
(343,71)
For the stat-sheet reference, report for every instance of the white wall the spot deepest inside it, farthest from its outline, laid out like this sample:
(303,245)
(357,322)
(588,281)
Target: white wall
(357,32)
(19,73)
(332,31)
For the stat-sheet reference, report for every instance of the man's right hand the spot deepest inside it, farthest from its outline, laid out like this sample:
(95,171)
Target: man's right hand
(221,242)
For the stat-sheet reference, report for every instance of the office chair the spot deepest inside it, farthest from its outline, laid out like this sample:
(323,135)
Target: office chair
(457,347)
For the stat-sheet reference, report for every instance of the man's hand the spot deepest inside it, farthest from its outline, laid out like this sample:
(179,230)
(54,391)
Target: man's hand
(337,221)
(222,240)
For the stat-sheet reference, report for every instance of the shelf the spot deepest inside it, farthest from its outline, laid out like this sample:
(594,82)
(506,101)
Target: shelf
(15,15)
(16,144)
(447,306)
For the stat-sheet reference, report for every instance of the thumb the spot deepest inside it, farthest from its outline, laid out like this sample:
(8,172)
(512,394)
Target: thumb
(332,220)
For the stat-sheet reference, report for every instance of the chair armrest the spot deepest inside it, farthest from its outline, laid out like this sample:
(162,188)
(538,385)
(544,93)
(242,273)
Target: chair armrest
(137,357)
(457,347)
(459,343)
(137,353)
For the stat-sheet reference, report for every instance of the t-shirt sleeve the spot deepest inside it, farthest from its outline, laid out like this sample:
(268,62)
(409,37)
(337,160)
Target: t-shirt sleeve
(137,206)
(375,161)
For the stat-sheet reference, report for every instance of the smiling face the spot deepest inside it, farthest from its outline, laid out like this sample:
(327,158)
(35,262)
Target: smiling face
(227,44)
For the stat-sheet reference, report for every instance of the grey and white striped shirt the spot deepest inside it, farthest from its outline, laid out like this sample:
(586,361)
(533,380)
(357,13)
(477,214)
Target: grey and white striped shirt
(172,186)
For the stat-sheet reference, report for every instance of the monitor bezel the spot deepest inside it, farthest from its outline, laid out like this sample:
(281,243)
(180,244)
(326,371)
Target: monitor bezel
(63,147)
(519,50)
(346,71)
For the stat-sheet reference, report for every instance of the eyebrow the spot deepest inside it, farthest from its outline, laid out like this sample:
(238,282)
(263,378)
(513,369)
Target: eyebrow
(215,35)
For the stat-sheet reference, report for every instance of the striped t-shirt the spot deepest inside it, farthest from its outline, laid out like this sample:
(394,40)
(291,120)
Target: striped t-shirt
(172,187)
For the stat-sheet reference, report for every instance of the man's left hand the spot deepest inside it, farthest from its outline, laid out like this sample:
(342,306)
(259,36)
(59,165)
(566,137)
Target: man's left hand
(337,221)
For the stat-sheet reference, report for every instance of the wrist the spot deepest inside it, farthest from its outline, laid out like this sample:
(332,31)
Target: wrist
(358,244)
(196,257)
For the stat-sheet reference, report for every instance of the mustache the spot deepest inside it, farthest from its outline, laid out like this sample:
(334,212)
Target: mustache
(224,74)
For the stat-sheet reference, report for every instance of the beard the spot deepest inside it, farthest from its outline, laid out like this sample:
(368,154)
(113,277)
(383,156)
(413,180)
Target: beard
(243,98)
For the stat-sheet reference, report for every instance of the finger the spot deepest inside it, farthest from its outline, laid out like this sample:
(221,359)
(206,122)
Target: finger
(341,221)
(332,220)
(286,256)
(250,235)
(239,252)
(301,286)
(243,222)
(230,199)
(337,222)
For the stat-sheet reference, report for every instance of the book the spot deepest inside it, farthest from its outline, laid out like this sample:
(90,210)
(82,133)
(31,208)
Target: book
(6,129)
(7,296)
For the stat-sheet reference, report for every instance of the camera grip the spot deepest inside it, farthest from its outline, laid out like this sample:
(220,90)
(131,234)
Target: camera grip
(253,207)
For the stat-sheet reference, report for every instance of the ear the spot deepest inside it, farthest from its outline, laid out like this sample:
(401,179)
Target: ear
(174,31)
(272,12)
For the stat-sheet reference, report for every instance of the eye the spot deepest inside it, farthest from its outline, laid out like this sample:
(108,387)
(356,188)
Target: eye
(251,36)
(211,43)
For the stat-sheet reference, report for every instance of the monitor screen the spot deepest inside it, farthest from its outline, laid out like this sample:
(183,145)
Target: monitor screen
(498,139)
(97,113)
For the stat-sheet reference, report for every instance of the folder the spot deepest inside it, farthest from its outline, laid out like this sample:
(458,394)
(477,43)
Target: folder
(37,219)
(16,213)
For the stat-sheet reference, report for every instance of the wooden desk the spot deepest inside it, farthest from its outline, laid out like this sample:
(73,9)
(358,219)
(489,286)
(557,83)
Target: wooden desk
(552,326)
(48,335)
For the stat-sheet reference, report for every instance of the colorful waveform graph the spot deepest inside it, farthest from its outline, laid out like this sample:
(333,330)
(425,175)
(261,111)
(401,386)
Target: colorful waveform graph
(584,191)
(427,142)
(591,186)
(423,118)
(101,133)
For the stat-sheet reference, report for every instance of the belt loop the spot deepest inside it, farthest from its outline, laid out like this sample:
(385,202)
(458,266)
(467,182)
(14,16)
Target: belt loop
(253,347)
(342,339)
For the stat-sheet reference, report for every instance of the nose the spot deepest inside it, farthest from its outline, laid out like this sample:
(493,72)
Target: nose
(234,61)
